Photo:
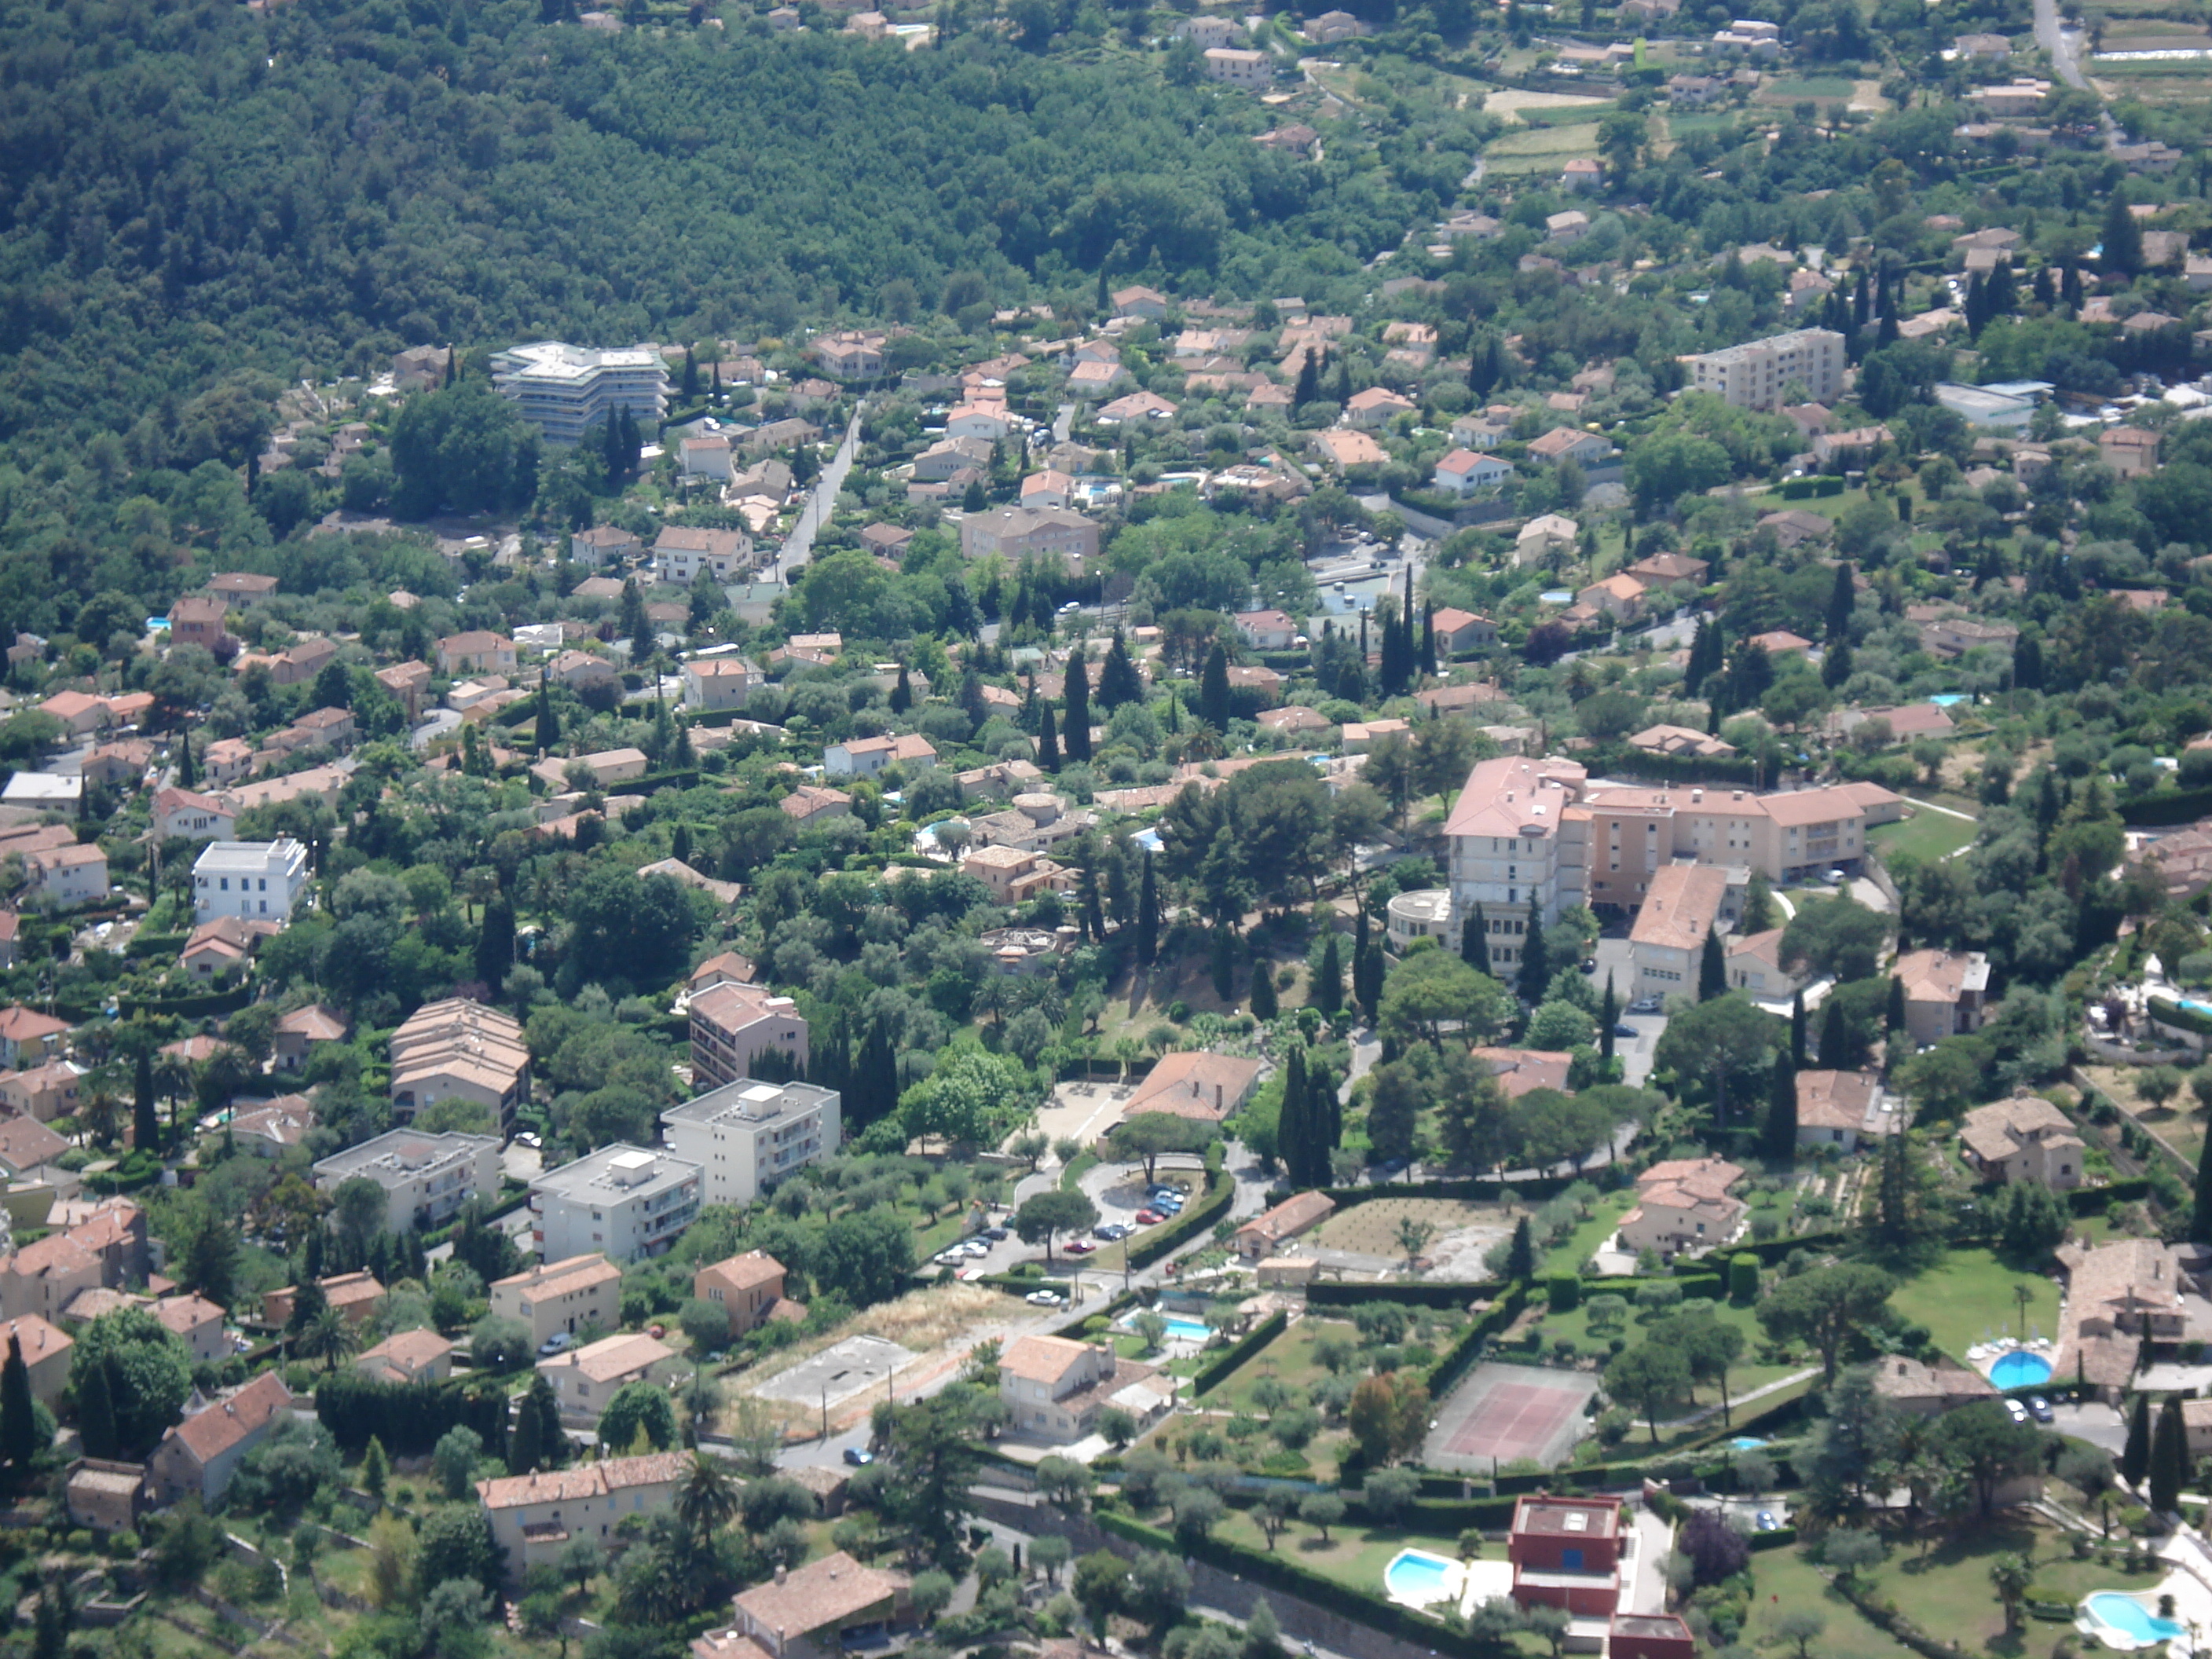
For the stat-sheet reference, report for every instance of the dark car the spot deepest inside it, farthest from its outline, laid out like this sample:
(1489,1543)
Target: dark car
(995,1233)
(858,1456)
(1625,1031)
(2038,1408)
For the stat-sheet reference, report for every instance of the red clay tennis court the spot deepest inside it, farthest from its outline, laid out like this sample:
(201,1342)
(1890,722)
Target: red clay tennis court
(1502,1414)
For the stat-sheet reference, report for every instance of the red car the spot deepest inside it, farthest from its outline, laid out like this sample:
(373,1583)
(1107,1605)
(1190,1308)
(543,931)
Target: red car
(1078,1247)
(1149,1217)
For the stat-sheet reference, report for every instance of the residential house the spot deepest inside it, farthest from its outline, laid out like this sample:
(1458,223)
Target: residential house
(1680,740)
(297,1033)
(1195,1083)
(1543,536)
(1753,964)
(1346,449)
(1567,443)
(1565,1554)
(748,1287)
(1666,569)
(2023,1137)
(535,1517)
(835,1605)
(44,1092)
(1954,636)
(2130,451)
(407,1357)
(198,1323)
(1683,1207)
(1458,631)
(1618,597)
(1583,174)
(185,815)
(1264,1235)
(579,671)
(1054,1389)
(1681,911)
(216,950)
(681,555)
(479,650)
(199,1457)
(27,1037)
(1267,630)
(585,1379)
(1928,1391)
(1376,407)
(197,619)
(1463,471)
(356,1295)
(1238,67)
(576,1293)
(273,1128)
(1018,532)
(712,684)
(813,803)
(46,1350)
(1843,1109)
(863,757)
(64,876)
(1944,993)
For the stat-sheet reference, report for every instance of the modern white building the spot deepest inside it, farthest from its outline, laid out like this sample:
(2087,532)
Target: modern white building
(565,391)
(622,1202)
(1757,374)
(253,880)
(748,1135)
(426,1178)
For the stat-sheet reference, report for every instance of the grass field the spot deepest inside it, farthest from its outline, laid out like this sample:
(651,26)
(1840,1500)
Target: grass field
(1948,1593)
(1743,1376)
(1926,836)
(1540,149)
(1577,1247)
(1510,104)
(1354,1555)
(1829,88)
(1783,1582)
(1969,1299)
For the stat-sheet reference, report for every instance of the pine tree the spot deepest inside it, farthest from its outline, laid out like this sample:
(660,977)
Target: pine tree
(1264,1005)
(1521,1254)
(95,1410)
(1798,1028)
(1078,728)
(1713,968)
(1608,1016)
(1536,962)
(18,1427)
(1781,1127)
(1148,915)
(376,1468)
(1047,740)
(2169,1458)
(1213,690)
(2135,1456)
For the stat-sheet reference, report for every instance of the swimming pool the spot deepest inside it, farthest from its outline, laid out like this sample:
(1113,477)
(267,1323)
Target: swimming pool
(1186,1330)
(2124,1622)
(2020,1370)
(1949,699)
(1749,1443)
(1417,1577)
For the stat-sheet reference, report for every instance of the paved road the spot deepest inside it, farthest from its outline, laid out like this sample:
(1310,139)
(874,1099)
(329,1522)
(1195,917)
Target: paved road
(797,546)
(2063,45)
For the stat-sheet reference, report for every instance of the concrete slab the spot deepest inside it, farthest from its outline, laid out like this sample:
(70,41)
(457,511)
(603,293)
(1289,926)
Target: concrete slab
(851,1367)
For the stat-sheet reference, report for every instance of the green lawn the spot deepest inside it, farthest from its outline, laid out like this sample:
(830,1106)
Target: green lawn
(1926,836)
(1969,1299)
(1568,1255)
(1288,1359)
(1948,1592)
(1745,1376)
(1354,1555)
(1784,1580)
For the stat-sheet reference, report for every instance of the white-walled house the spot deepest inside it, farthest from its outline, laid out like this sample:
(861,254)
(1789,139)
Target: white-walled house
(253,880)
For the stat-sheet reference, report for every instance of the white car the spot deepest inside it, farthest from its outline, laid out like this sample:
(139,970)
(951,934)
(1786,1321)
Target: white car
(1045,1299)
(557,1343)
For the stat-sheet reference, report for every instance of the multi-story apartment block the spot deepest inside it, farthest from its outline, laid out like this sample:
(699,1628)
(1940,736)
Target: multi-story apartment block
(1017,532)
(565,391)
(622,1200)
(733,1026)
(426,1178)
(459,1047)
(749,1136)
(1756,375)
(1510,852)
(253,880)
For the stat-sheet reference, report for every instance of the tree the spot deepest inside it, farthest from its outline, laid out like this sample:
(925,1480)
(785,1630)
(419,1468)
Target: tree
(1987,1446)
(495,951)
(1321,1511)
(1521,1252)
(2169,1459)
(1213,690)
(2012,1573)
(148,1374)
(1077,704)
(1045,1216)
(1722,1042)
(2200,1212)
(931,1452)
(455,1458)
(1802,1628)
(1148,914)
(1608,1017)
(1388,1416)
(95,1410)
(1648,1376)
(376,1468)
(1432,994)
(1709,1346)
(636,1408)
(1778,1137)
(455,1541)
(2122,252)
(2135,1454)
(1536,977)
(18,1428)
(1713,968)
(1327,991)
(1839,937)
(1149,1135)
(1825,1306)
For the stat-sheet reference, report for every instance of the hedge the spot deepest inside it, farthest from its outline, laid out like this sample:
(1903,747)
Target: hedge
(1798,489)
(2095,1201)
(1197,1218)
(1779,1538)
(1217,1371)
(2166,806)
(1278,1572)
(408,1418)
(142,946)
(1470,1344)
(2167,1011)
(1413,1293)
(188,1007)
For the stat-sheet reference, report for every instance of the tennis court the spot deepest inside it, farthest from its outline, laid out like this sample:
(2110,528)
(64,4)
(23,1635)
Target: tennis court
(1502,1414)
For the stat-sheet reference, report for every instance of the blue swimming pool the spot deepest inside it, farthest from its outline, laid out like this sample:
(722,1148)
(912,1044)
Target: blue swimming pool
(1419,1577)
(1747,1443)
(2130,1617)
(1949,699)
(1187,1330)
(2020,1370)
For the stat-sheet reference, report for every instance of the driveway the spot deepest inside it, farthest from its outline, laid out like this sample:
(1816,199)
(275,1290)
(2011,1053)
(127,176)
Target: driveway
(1634,1053)
(792,555)
(2101,1424)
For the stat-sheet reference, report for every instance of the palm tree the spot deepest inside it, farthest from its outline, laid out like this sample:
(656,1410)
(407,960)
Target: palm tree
(173,1080)
(706,1496)
(101,1113)
(2012,1574)
(329,1337)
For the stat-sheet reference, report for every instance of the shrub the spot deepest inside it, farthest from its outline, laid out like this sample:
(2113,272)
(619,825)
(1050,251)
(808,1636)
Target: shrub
(1566,1293)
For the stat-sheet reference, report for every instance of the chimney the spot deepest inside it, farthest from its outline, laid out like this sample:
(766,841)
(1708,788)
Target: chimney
(1218,1104)
(780,1573)
(1697,796)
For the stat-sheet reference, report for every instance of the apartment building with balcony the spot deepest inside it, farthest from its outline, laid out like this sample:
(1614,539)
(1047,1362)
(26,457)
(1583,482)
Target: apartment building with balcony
(622,1202)
(747,1135)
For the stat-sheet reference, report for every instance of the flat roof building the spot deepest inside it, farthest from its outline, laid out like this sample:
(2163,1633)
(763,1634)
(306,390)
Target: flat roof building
(748,1135)
(564,391)
(1758,373)
(425,1177)
(622,1200)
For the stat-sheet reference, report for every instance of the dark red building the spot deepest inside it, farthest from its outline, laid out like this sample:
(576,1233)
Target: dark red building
(1566,1554)
(1650,1636)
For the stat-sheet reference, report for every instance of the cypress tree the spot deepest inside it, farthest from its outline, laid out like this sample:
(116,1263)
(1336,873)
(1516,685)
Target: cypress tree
(145,1126)
(1047,740)
(186,777)
(1835,1040)
(1323,1107)
(1264,1005)
(1429,637)
(2122,250)
(1608,1016)
(1213,690)
(1077,732)
(690,384)
(903,692)
(95,1410)
(1536,962)
(1797,1028)
(1309,387)
(495,941)
(2200,1212)
(1836,665)
(1148,915)
(1094,914)
(1328,994)
(1713,968)
(1781,1129)
(1521,1256)
(548,723)
(1893,1016)
(1290,1136)
(2135,1456)
(2169,1458)
(1118,679)
(18,1427)
(526,1445)
(1843,598)
(1223,964)
(376,1468)
(1472,948)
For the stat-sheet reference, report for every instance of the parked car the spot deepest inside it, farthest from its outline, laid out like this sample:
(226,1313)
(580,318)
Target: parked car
(557,1343)
(1645,1005)
(1045,1299)
(968,1275)
(1149,1217)
(1767,1522)
(1625,1031)
(977,1246)
(994,1234)
(2017,1412)
(2038,1408)
(1078,1246)
(528,1139)
(1112,1231)
(858,1456)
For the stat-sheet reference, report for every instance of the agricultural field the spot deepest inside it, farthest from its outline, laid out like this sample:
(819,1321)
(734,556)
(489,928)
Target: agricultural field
(1925,836)
(1540,149)
(1513,105)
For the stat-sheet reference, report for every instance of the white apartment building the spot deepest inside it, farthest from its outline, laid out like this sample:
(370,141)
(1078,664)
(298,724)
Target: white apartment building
(621,1201)
(564,391)
(1757,374)
(1513,852)
(426,1178)
(748,1136)
(253,880)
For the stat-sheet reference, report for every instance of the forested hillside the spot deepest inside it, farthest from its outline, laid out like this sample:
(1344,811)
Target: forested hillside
(188,189)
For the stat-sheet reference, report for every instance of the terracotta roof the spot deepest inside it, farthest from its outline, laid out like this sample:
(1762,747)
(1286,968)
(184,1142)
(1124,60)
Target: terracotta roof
(1708,1177)
(26,1143)
(1520,1071)
(624,1354)
(1896,1377)
(22,1025)
(1841,1100)
(412,1349)
(314,1022)
(1942,975)
(1041,1359)
(1189,1084)
(574,1272)
(1293,1215)
(516,1492)
(206,1435)
(1997,1131)
(744,1272)
(818,1596)
(184,1314)
(1681,907)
